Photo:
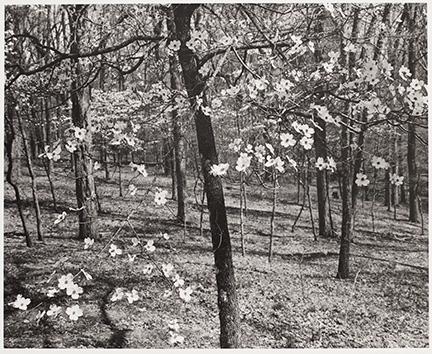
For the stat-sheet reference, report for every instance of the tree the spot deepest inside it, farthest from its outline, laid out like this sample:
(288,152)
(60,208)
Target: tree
(85,187)
(227,296)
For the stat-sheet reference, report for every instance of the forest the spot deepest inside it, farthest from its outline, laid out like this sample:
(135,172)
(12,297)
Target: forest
(212,175)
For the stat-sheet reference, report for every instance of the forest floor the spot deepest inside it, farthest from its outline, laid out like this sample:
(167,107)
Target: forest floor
(293,302)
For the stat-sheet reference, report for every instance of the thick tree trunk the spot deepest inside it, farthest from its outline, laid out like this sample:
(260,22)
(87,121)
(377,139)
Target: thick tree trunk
(85,189)
(226,285)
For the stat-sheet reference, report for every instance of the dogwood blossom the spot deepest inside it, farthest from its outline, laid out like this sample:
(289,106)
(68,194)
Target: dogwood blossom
(379,162)
(132,296)
(118,294)
(243,162)
(74,291)
(320,164)
(21,302)
(54,310)
(114,250)
(396,180)
(160,197)
(88,242)
(74,312)
(65,281)
(287,140)
(361,180)
(219,170)
(149,246)
(185,294)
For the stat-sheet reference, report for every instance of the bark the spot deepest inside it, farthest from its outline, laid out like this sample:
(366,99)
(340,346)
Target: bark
(8,143)
(225,279)
(346,176)
(84,185)
(33,181)
(179,144)
(320,141)
(411,155)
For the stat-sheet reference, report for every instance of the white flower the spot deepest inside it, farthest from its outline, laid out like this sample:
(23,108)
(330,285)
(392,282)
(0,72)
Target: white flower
(320,164)
(80,133)
(219,170)
(118,294)
(74,312)
(379,162)
(185,294)
(149,246)
(88,242)
(114,250)
(160,197)
(270,147)
(168,269)
(51,292)
(66,281)
(174,45)
(396,180)
(331,164)
(361,180)
(178,281)
(74,291)
(404,73)
(287,140)
(132,296)
(243,162)
(306,143)
(165,236)
(54,310)
(71,146)
(350,48)
(20,302)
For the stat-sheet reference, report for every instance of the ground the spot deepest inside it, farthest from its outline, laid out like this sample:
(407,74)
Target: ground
(293,302)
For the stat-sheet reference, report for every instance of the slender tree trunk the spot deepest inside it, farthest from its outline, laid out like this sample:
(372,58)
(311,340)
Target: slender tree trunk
(346,175)
(8,143)
(179,148)
(225,279)
(33,181)
(273,212)
(320,140)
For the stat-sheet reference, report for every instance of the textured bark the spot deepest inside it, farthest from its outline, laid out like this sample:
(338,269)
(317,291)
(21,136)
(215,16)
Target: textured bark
(84,185)
(410,10)
(226,285)
(9,138)
(324,228)
(33,181)
(346,177)
(179,144)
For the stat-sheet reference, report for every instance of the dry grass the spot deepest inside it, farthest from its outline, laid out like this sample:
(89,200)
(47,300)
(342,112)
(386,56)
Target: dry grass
(293,302)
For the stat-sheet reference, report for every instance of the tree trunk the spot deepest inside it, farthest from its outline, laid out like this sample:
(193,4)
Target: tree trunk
(33,181)
(85,189)
(227,296)
(346,175)
(179,149)
(8,143)
(324,228)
